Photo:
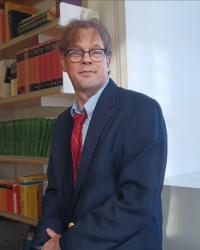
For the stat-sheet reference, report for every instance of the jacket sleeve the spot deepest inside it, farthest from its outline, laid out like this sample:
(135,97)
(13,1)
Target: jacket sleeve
(130,210)
(50,217)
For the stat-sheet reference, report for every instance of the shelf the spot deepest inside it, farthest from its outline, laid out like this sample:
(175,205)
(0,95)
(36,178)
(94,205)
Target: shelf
(19,218)
(37,98)
(30,2)
(9,49)
(24,160)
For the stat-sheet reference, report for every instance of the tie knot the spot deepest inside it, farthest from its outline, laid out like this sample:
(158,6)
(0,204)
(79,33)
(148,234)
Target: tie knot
(79,119)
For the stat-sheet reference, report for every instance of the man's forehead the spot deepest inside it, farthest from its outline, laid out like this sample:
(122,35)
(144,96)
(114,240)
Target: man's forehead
(90,35)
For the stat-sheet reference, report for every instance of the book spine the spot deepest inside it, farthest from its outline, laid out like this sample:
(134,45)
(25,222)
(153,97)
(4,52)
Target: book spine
(56,67)
(2,27)
(13,73)
(9,198)
(34,84)
(16,199)
(2,197)
(23,200)
(20,73)
(14,13)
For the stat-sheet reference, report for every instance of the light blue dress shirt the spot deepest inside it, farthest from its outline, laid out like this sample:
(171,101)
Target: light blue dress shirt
(88,107)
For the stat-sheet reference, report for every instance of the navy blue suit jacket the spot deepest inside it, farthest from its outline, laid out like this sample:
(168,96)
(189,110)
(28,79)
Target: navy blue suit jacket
(116,203)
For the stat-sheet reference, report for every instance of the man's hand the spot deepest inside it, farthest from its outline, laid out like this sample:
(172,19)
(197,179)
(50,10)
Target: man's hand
(53,243)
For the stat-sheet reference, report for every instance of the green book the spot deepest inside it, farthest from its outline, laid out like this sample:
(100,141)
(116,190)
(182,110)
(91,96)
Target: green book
(1,138)
(48,132)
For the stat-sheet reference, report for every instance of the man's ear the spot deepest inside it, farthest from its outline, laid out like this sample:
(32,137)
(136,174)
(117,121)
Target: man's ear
(108,61)
(63,63)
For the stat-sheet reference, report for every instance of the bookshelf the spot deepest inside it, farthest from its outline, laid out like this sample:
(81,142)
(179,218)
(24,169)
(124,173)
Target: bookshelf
(36,98)
(24,160)
(30,2)
(18,218)
(46,102)
(9,49)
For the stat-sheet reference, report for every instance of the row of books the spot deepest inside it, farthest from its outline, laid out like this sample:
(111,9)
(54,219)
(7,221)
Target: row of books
(39,67)
(12,14)
(8,78)
(23,196)
(36,20)
(26,137)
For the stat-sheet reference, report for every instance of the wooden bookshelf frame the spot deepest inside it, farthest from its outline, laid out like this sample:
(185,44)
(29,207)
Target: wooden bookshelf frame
(30,2)
(24,160)
(19,218)
(28,99)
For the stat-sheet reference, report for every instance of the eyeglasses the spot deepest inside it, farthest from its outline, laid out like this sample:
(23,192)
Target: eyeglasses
(75,56)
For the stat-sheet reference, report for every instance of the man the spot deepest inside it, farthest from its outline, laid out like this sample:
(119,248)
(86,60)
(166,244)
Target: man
(106,173)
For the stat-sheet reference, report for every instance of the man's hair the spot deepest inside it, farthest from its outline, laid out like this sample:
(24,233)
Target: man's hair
(71,32)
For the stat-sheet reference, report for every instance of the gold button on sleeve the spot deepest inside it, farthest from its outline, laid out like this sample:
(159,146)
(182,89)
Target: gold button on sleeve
(71,224)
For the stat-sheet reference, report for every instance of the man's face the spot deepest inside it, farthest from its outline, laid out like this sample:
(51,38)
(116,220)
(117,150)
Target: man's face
(87,75)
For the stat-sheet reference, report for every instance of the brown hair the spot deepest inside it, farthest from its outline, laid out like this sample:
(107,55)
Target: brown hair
(71,31)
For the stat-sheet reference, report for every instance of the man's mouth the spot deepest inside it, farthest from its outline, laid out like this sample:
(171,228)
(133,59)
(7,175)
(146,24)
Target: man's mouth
(86,71)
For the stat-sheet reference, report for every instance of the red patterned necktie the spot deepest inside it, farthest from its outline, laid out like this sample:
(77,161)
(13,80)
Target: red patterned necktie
(76,142)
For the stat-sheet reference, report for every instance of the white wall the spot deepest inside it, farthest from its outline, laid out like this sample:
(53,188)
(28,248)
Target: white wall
(112,15)
(163,50)
(181,208)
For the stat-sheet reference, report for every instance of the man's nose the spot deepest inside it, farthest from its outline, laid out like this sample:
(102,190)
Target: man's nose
(86,57)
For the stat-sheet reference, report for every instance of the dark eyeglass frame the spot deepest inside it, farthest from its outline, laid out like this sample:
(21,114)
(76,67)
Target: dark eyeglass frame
(77,58)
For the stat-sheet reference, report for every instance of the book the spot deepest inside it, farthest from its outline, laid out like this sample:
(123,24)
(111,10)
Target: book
(13,76)
(20,69)
(2,138)
(9,196)
(36,20)
(2,195)
(31,198)
(5,77)
(56,72)
(26,137)
(14,13)
(2,26)
(16,199)
(23,74)
(38,67)
(31,193)
(32,178)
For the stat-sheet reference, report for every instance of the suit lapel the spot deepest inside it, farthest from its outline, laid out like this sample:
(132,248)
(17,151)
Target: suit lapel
(102,114)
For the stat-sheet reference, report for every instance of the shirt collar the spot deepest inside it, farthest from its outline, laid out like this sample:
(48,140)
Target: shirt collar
(89,105)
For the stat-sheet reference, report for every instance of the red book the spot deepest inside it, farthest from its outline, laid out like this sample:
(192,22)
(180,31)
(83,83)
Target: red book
(57,71)
(2,26)
(34,64)
(47,66)
(16,199)
(42,66)
(9,197)
(2,196)
(30,67)
(26,72)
